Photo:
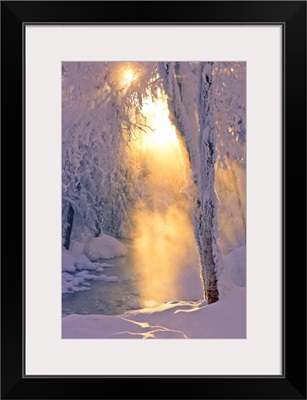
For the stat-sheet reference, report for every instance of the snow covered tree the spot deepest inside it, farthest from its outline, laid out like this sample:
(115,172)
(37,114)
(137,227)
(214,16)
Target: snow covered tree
(207,105)
(190,98)
(102,116)
(205,213)
(230,124)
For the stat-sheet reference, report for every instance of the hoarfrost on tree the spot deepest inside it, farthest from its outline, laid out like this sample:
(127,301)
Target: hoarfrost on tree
(102,116)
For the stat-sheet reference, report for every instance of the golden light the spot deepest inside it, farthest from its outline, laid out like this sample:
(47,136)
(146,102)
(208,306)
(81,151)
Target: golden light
(128,77)
(162,245)
(164,133)
(150,303)
(163,230)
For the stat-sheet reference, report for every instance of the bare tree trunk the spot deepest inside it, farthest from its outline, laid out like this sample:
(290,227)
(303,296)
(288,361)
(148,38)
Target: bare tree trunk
(70,220)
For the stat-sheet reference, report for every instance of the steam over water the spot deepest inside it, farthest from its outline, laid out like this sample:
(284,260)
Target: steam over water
(162,261)
(164,242)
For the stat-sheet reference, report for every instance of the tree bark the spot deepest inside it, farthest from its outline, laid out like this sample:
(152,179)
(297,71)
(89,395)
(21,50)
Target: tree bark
(206,212)
(205,240)
(202,158)
(70,220)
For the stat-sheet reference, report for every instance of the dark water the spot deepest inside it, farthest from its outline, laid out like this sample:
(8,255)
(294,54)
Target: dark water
(110,298)
(107,297)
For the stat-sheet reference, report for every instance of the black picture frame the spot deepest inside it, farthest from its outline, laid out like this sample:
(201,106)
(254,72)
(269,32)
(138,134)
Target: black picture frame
(292,16)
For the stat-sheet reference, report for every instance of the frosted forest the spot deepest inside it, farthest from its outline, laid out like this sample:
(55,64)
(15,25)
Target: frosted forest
(154,200)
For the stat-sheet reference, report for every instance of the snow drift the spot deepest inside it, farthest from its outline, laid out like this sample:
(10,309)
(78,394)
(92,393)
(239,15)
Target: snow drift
(172,320)
(102,247)
(175,319)
(105,247)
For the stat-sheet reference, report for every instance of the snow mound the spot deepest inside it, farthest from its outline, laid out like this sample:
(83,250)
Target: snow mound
(72,261)
(71,284)
(68,261)
(112,279)
(89,277)
(75,275)
(82,262)
(236,264)
(105,265)
(184,319)
(105,247)
(67,277)
(77,247)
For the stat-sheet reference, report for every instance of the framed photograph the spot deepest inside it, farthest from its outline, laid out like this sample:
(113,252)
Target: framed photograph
(163,149)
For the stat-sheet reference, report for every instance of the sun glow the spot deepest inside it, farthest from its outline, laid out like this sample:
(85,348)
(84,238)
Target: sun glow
(163,133)
(163,243)
(128,77)
(163,230)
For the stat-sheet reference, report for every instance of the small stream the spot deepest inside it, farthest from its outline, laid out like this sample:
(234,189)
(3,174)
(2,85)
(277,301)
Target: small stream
(110,298)
(107,297)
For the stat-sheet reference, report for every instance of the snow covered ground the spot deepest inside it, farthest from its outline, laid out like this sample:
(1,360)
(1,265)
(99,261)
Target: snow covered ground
(176,319)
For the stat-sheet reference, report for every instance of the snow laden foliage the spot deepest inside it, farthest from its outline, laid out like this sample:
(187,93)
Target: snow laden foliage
(99,117)
(102,182)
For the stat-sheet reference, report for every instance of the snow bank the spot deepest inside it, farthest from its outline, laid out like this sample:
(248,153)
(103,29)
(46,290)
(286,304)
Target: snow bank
(79,281)
(234,270)
(77,247)
(75,272)
(71,284)
(236,264)
(105,247)
(183,319)
(68,261)
(72,261)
